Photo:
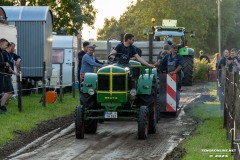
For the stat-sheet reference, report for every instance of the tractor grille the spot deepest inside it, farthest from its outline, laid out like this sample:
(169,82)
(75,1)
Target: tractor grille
(103,82)
(119,82)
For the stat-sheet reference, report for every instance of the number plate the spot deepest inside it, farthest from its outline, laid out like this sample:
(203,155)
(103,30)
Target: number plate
(110,114)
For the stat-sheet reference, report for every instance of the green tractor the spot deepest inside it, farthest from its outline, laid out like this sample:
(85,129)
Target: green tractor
(118,92)
(170,33)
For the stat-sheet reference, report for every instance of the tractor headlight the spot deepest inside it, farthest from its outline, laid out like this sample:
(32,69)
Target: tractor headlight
(91,92)
(133,92)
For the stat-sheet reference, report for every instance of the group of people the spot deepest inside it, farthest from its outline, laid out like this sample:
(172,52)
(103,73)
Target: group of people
(230,60)
(169,61)
(7,60)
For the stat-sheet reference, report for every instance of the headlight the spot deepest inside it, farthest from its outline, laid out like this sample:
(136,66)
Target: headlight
(91,92)
(133,92)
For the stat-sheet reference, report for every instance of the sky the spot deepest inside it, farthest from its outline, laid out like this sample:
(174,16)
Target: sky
(105,9)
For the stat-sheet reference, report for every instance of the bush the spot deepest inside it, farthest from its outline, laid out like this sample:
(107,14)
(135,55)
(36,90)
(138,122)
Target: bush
(200,73)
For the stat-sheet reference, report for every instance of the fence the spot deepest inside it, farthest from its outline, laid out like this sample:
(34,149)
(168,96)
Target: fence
(229,95)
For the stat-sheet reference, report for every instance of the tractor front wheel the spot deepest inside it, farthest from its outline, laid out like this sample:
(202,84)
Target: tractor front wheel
(143,121)
(148,100)
(89,103)
(79,123)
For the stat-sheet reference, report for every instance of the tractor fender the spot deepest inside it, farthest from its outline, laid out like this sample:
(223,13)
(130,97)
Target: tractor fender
(186,51)
(90,82)
(145,84)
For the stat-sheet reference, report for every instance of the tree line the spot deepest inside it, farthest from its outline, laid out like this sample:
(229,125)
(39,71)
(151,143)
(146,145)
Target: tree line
(198,16)
(69,15)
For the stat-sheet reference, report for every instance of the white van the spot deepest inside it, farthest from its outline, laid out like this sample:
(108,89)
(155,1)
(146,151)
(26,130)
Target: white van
(63,51)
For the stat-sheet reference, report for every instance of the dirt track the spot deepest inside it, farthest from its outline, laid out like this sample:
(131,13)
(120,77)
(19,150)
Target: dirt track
(118,140)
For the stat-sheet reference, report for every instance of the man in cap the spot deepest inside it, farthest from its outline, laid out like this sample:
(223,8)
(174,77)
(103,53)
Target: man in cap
(89,62)
(172,63)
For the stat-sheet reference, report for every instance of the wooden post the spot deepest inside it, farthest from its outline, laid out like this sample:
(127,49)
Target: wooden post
(19,83)
(44,85)
(237,116)
(224,102)
(73,79)
(61,89)
(150,47)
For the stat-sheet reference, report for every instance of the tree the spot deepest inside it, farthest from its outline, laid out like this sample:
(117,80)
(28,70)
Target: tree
(194,15)
(68,14)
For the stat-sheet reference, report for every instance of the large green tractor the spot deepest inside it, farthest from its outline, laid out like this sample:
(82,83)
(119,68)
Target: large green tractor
(118,92)
(170,33)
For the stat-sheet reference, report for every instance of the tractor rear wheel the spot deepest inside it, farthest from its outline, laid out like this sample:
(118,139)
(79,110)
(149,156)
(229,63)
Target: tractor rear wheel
(143,122)
(188,71)
(79,123)
(89,103)
(148,100)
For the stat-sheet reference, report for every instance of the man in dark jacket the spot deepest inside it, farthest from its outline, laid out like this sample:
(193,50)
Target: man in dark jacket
(8,87)
(172,63)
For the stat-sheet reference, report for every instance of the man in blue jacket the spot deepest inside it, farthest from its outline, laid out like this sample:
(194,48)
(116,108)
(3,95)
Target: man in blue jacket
(89,62)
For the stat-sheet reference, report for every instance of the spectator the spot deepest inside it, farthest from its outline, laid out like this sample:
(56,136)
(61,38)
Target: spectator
(222,61)
(8,87)
(89,62)
(237,62)
(203,58)
(128,50)
(172,63)
(13,57)
(215,60)
(79,59)
(3,65)
(162,54)
(230,61)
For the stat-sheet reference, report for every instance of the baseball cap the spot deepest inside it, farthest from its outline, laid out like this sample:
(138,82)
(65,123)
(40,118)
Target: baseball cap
(92,47)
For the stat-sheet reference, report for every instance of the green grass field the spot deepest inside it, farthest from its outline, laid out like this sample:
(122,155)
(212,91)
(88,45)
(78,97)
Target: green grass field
(208,141)
(33,113)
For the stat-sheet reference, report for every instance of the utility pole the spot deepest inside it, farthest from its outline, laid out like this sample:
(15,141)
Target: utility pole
(219,27)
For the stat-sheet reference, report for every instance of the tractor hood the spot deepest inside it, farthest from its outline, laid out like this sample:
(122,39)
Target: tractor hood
(112,68)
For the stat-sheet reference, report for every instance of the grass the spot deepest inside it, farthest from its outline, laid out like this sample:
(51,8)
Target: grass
(33,113)
(210,134)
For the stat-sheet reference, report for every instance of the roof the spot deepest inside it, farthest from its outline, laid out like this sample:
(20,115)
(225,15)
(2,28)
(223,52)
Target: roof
(27,13)
(60,41)
(169,33)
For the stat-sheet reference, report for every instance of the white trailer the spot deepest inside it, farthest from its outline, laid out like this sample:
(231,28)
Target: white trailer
(63,52)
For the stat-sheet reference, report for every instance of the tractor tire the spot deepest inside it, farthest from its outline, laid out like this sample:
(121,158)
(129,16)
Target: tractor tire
(143,122)
(188,71)
(148,100)
(89,102)
(79,123)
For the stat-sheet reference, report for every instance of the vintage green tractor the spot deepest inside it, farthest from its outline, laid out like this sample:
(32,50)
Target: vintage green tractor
(170,33)
(118,91)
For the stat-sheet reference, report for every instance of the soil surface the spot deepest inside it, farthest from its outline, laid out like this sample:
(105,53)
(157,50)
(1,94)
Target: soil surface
(24,138)
(113,140)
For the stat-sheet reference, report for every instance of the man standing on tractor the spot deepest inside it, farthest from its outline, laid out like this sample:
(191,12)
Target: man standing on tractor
(173,64)
(128,50)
